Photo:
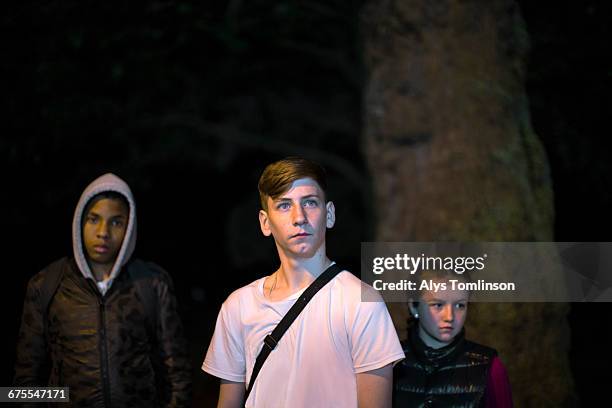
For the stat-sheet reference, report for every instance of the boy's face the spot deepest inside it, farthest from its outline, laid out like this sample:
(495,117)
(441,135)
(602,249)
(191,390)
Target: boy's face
(441,315)
(298,219)
(104,227)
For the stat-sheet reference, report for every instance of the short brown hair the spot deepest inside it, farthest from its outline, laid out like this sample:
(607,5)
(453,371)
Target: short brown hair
(277,177)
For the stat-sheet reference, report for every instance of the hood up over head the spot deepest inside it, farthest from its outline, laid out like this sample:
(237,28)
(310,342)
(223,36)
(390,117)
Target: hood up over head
(107,182)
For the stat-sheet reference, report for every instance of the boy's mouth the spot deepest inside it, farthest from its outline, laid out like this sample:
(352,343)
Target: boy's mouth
(101,249)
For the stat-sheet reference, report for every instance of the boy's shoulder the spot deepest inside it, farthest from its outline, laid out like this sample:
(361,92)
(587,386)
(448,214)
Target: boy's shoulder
(355,288)
(345,284)
(139,269)
(42,286)
(245,292)
(52,271)
(344,281)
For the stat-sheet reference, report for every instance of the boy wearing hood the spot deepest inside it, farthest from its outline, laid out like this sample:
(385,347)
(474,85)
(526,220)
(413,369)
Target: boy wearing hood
(106,324)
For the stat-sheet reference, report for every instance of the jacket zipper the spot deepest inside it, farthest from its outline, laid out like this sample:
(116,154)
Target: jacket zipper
(104,354)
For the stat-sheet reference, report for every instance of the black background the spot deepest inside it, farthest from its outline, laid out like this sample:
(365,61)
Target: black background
(187,101)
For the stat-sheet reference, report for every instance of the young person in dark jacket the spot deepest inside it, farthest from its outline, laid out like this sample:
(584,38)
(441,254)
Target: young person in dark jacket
(101,323)
(442,368)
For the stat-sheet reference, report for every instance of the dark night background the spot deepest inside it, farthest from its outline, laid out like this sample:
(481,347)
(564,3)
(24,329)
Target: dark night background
(187,101)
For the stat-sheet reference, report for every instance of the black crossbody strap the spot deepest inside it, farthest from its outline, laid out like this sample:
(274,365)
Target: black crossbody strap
(273,338)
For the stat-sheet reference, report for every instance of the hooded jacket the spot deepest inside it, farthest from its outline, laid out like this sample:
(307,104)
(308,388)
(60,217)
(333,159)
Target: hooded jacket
(117,344)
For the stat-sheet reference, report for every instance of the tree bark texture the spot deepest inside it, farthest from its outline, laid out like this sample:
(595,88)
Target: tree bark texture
(453,157)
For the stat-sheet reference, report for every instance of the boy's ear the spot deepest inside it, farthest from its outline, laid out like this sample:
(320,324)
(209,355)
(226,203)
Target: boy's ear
(264,223)
(412,305)
(330,216)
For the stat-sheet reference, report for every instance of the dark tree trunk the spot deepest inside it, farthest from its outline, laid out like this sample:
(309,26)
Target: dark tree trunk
(453,157)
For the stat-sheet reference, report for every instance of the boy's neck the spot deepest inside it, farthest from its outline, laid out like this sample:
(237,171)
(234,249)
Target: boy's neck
(296,273)
(100,272)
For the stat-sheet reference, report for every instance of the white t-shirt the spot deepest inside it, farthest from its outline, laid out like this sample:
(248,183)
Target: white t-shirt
(315,362)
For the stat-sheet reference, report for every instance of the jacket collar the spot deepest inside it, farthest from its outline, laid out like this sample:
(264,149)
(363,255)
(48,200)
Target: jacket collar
(436,357)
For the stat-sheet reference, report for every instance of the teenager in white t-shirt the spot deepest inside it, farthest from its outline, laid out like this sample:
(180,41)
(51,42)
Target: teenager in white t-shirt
(339,352)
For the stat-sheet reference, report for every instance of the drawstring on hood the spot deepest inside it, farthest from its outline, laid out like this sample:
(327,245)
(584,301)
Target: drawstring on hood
(107,182)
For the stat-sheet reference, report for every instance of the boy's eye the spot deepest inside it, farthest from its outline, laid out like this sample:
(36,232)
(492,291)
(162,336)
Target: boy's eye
(117,223)
(460,305)
(91,219)
(310,203)
(283,206)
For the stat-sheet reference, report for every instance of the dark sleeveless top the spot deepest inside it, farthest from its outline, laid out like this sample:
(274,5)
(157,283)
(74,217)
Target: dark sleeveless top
(452,376)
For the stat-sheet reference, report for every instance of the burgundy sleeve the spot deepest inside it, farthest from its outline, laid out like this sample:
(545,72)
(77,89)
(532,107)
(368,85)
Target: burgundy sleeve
(498,393)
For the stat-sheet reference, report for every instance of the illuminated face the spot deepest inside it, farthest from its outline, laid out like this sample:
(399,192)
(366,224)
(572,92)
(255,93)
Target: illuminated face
(298,219)
(104,227)
(441,315)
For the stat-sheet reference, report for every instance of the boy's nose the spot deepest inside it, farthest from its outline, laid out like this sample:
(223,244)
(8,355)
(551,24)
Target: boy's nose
(448,313)
(102,231)
(299,215)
